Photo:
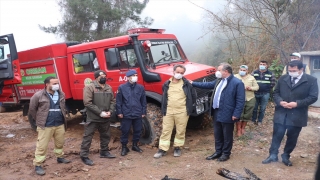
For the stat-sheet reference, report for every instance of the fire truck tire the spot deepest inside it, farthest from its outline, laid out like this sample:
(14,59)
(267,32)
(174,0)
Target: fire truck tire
(207,121)
(2,109)
(196,122)
(152,125)
(32,122)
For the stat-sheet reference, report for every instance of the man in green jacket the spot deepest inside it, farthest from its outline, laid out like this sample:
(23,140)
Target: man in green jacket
(99,101)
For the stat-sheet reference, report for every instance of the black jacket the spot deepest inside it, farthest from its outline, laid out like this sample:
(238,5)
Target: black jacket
(131,101)
(305,93)
(189,91)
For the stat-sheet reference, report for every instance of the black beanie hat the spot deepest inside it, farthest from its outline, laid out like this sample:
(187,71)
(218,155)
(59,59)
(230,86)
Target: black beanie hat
(98,73)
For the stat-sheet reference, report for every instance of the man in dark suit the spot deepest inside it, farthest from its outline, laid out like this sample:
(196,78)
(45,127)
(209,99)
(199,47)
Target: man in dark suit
(292,96)
(227,103)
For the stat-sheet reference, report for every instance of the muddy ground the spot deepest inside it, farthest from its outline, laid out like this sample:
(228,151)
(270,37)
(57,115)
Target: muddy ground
(17,152)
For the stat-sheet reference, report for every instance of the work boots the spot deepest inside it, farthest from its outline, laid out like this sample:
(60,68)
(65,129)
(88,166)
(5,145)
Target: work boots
(106,154)
(135,147)
(177,152)
(63,160)
(39,170)
(160,153)
(124,150)
(86,161)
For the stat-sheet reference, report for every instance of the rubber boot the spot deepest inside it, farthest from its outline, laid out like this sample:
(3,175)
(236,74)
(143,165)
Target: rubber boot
(124,150)
(135,147)
(243,127)
(238,124)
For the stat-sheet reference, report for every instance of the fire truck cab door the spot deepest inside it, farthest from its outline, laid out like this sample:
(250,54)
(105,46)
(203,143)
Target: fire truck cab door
(9,63)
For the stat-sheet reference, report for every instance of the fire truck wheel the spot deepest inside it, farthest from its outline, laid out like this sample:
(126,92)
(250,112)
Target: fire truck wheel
(207,121)
(202,121)
(152,125)
(2,109)
(32,122)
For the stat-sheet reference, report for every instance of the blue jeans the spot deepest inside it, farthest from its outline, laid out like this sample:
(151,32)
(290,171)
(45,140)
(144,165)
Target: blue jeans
(262,101)
(278,133)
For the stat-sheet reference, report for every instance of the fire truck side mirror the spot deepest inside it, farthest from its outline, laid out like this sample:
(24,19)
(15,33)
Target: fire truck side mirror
(113,57)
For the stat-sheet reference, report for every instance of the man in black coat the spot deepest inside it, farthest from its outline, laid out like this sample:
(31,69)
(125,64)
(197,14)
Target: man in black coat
(292,96)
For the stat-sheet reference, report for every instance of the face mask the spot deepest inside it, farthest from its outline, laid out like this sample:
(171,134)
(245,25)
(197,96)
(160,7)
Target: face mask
(294,74)
(178,76)
(294,59)
(102,80)
(134,79)
(55,87)
(242,73)
(218,74)
(262,67)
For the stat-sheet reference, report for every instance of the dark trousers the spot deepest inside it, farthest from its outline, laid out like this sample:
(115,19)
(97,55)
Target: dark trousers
(317,176)
(89,129)
(223,135)
(262,101)
(278,133)
(125,129)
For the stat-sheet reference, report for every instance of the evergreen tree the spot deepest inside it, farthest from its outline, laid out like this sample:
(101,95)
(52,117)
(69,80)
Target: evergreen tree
(88,20)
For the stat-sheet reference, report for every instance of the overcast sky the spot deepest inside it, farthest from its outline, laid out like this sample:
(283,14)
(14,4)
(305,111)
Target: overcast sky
(21,17)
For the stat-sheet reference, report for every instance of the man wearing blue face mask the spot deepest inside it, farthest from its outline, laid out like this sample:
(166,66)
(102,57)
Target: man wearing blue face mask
(251,86)
(266,81)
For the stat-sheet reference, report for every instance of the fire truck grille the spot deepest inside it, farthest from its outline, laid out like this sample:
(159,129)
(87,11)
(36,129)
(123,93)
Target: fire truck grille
(204,92)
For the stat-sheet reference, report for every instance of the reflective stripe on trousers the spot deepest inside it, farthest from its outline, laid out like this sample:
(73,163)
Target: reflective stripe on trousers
(44,136)
(169,121)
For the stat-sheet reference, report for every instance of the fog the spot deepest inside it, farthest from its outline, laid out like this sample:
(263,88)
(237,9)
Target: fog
(185,20)
(179,17)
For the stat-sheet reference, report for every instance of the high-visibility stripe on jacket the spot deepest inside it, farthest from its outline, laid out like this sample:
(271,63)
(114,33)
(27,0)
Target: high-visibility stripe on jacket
(264,80)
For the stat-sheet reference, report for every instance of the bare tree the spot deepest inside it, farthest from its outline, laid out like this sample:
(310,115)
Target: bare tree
(259,29)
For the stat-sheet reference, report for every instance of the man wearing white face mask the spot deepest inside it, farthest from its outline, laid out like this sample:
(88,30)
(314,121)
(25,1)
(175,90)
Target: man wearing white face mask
(296,57)
(293,94)
(226,104)
(131,105)
(48,109)
(177,104)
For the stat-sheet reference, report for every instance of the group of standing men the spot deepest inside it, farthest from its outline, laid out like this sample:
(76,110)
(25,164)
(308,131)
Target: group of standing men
(235,99)
(47,107)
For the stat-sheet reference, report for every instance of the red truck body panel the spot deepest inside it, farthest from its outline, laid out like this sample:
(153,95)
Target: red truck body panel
(57,60)
(39,63)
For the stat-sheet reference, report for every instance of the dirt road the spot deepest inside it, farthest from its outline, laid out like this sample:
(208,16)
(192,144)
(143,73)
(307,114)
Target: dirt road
(17,146)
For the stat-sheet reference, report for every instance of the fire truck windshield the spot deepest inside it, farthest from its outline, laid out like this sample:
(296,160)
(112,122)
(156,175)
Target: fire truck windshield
(163,51)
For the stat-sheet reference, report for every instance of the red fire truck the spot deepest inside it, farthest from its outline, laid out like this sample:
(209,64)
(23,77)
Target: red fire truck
(149,51)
